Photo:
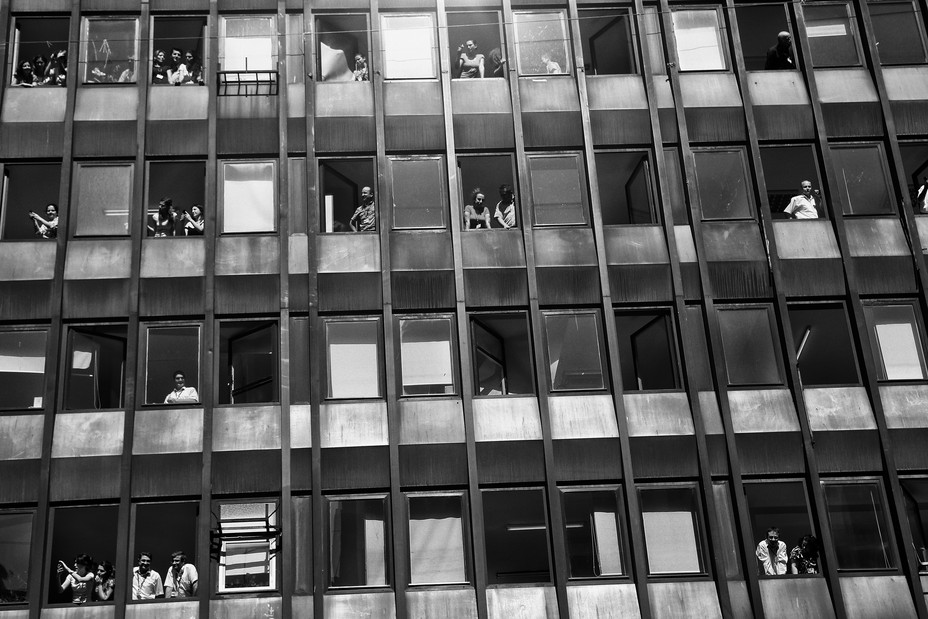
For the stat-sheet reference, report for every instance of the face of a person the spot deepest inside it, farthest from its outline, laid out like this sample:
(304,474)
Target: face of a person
(175,55)
(80,568)
(188,57)
(26,67)
(176,563)
(807,188)
(478,199)
(367,195)
(179,381)
(773,536)
(51,211)
(196,212)
(101,572)
(159,56)
(470,46)
(144,564)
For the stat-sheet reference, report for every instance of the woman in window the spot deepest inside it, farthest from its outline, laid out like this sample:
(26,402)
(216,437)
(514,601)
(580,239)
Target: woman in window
(160,67)
(803,559)
(164,219)
(46,228)
(25,76)
(194,70)
(105,582)
(39,66)
(78,579)
(194,224)
(57,72)
(470,63)
(476,214)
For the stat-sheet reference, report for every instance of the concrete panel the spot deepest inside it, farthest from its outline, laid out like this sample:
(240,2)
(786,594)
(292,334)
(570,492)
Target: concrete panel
(301,436)
(616,92)
(177,255)
(556,94)
(534,602)
(354,424)
(635,245)
(237,608)
(173,430)
(556,247)
(796,597)
(845,86)
(164,610)
(246,107)
(733,241)
(441,604)
(710,90)
(921,224)
(32,105)
(506,419)
(905,406)
(412,98)
(21,437)
(486,96)
(808,238)
(431,421)
(178,103)
(296,100)
(88,434)
(871,236)
(603,602)
(763,410)
(298,255)
(348,253)
(246,428)
(15,614)
(79,612)
(839,408)
(379,605)
(777,88)
(658,414)
(906,83)
(98,259)
(582,416)
(684,599)
(494,248)
(247,255)
(114,102)
(27,261)
(344,99)
(877,597)
(302,606)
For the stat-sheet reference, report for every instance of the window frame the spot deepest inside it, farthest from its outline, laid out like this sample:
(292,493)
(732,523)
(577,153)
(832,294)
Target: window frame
(699,527)
(14,511)
(145,340)
(673,337)
(50,580)
(216,370)
(38,328)
(919,28)
(917,323)
(456,40)
(775,342)
(790,27)
(75,206)
(887,176)
(203,43)
(454,353)
(443,207)
(223,37)
(273,545)
(854,33)
(600,337)
(221,198)
(749,185)
(817,176)
(135,549)
(378,205)
(549,540)
(434,46)
(381,363)
(566,45)
(621,528)
(648,157)
(389,550)
(65,371)
(632,34)
(85,43)
(149,198)
(466,536)
(894,555)
(800,304)
(475,316)
(5,169)
(578,157)
(722,26)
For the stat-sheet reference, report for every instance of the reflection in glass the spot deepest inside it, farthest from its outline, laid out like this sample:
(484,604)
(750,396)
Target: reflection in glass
(418,193)
(831,34)
(898,342)
(721,179)
(436,540)
(541,42)
(899,33)
(558,191)
(594,534)
(109,53)
(750,351)
(574,358)
(357,543)
(699,40)
(862,179)
(246,554)
(248,44)
(408,46)
(426,356)
(22,369)
(858,523)
(248,197)
(353,359)
(671,530)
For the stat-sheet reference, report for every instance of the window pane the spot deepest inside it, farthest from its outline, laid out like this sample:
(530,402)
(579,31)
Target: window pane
(248,44)
(358,543)
(15,545)
(247,548)
(84,536)
(97,368)
(247,362)
(502,355)
(898,32)
(418,193)
(831,35)
(344,54)
(699,40)
(104,193)
(43,43)
(353,359)
(608,47)
(750,352)
(516,535)
(22,368)
(109,51)
(172,350)
(899,344)
(782,505)
(574,357)
(25,189)
(721,179)
(671,531)
(436,540)
(558,195)
(160,530)
(862,180)
(408,46)
(248,197)
(625,189)
(855,512)
(647,351)
(541,42)
(426,356)
(594,532)
(823,345)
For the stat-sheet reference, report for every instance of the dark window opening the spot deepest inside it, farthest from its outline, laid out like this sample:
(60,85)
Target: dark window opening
(863,179)
(722,180)
(344,50)
(22,369)
(184,185)
(358,543)
(832,35)
(824,346)
(247,362)
(15,546)
(858,520)
(109,50)
(786,170)
(436,539)
(489,175)
(353,359)
(575,356)
(915,164)
(899,32)
(96,367)
(595,533)
(486,57)
(672,530)
(898,348)
(516,535)
(502,355)
(915,492)
(82,539)
(759,26)
(173,353)
(426,356)
(28,189)
(341,184)
(647,351)
(608,42)
(782,505)
(558,190)
(182,59)
(42,42)
(751,352)
(626,188)
(418,192)
(160,530)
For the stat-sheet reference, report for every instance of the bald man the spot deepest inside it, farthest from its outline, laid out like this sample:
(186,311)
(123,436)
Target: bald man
(780,56)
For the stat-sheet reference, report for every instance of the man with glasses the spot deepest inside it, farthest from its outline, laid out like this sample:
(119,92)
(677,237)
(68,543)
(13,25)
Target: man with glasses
(771,553)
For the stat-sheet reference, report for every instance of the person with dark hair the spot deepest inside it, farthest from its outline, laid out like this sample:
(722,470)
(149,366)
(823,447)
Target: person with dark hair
(182,394)
(164,219)
(160,68)
(497,62)
(476,214)
(177,70)
(803,559)
(182,579)
(194,70)
(25,76)
(470,63)
(39,66)
(146,582)
(46,228)
(105,581)
(78,579)
(771,553)
(194,221)
(56,74)
(506,207)
(360,73)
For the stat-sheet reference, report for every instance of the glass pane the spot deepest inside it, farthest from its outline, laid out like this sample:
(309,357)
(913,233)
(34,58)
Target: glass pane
(898,32)
(647,352)
(855,512)
(750,352)
(357,543)
(248,363)
(28,189)
(408,46)
(916,506)
(15,545)
(831,35)
(247,562)
(608,48)
(557,190)
(574,357)
(353,359)
(671,532)
(248,44)
(418,193)
(900,349)
(625,191)
(699,40)
(722,184)
(426,356)
(344,54)
(172,351)
(82,537)
(97,368)
(436,540)
(783,506)
(541,42)
(516,535)
(248,197)
(594,533)
(22,369)
(110,51)
(104,194)
(862,180)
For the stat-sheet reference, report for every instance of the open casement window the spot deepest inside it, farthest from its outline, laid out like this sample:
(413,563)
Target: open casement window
(857,517)
(25,188)
(353,358)
(188,36)
(608,42)
(626,189)
(245,541)
(575,351)
(95,368)
(558,185)
(358,542)
(15,546)
(170,349)
(341,183)
(863,179)
(437,552)
(484,30)
(427,355)
(824,345)
(248,55)
(516,536)
(40,41)
(22,368)
(915,492)
(752,356)
(409,46)
(249,196)
(76,531)
(419,196)
(542,42)
(647,350)
(832,34)
(899,32)
(785,169)
(672,530)
(109,50)
(163,528)
(595,532)
(487,173)
(343,48)
(723,183)
(759,25)
(248,362)
(502,355)
(700,44)
(102,198)
(184,182)
(898,347)
(784,505)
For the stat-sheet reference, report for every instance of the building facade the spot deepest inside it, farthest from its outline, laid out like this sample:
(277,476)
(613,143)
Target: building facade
(447,308)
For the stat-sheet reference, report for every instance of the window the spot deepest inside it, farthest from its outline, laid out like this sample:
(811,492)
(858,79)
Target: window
(541,42)
(647,350)
(626,188)
(409,46)
(672,532)
(247,362)
(182,41)
(858,520)
(575,354)
(915,164)
(109,50)
(700,46)
(897,342)
(25,189)
(172,351)
(751,353)
(489,175)
(595,532)
(516,536)
(436,539)
(915,492)
(249,196)
(608,42)
(96,369)
(558,189)
(81,537)
(43,43)
(722,182)
(832,35)
(759,25)
(483,30)
(342,183)
(418,192)
(22,368)
(184,184)
(502,355)
(784,505)
(899,32)
(863,179)
(247,537)
(823,344)
(103,196)
(247,43)
(786,168)
(15,546)
(427,356)
(358,538)
(343,48)
(353,358)
(160,530)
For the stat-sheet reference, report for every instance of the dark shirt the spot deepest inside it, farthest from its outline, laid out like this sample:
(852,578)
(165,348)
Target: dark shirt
(777,61)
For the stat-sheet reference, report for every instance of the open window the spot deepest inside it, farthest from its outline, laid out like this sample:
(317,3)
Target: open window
(786,169)
(915,492)
(915,164)
(172,351)
(899,32)
(595,532)
(608,42)
(184,184)
(626,188)
(15,546)
(824,346)
(409,46)
(109,50)
(22,368)
(29,188)
(857,517)
(249,196)
(575,351)
(898,344)
(752,356)
(516,536)
(558,183)
(102,198)
(343,48)
(647,350)
(700,44)
(863,179)
(353,357)
(759,26)
(247,55)
(245,541)
(673,532)
(95,369)
(83,538)
(248,362)
(43,43)
(783,505)
(419,195)
(502,354)
(832,34)
(182,60)
(723,183)
(341,184)
(483,30)
(437,550)
(160,530)
(358,542)
(427,355)
(542,42)
(487,174)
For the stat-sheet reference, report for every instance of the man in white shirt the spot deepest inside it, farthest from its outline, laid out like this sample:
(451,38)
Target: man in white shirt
(182,394)
(182,579)
(771,553)
(146,582)
(803,205)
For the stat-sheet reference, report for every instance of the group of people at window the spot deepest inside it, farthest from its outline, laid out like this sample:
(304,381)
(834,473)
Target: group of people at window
(89,581)
(42,71)
(181,69)
(168,222)
(773,559)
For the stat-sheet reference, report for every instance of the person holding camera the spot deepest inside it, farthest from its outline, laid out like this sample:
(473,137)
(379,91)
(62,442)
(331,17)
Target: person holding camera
(470,63)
